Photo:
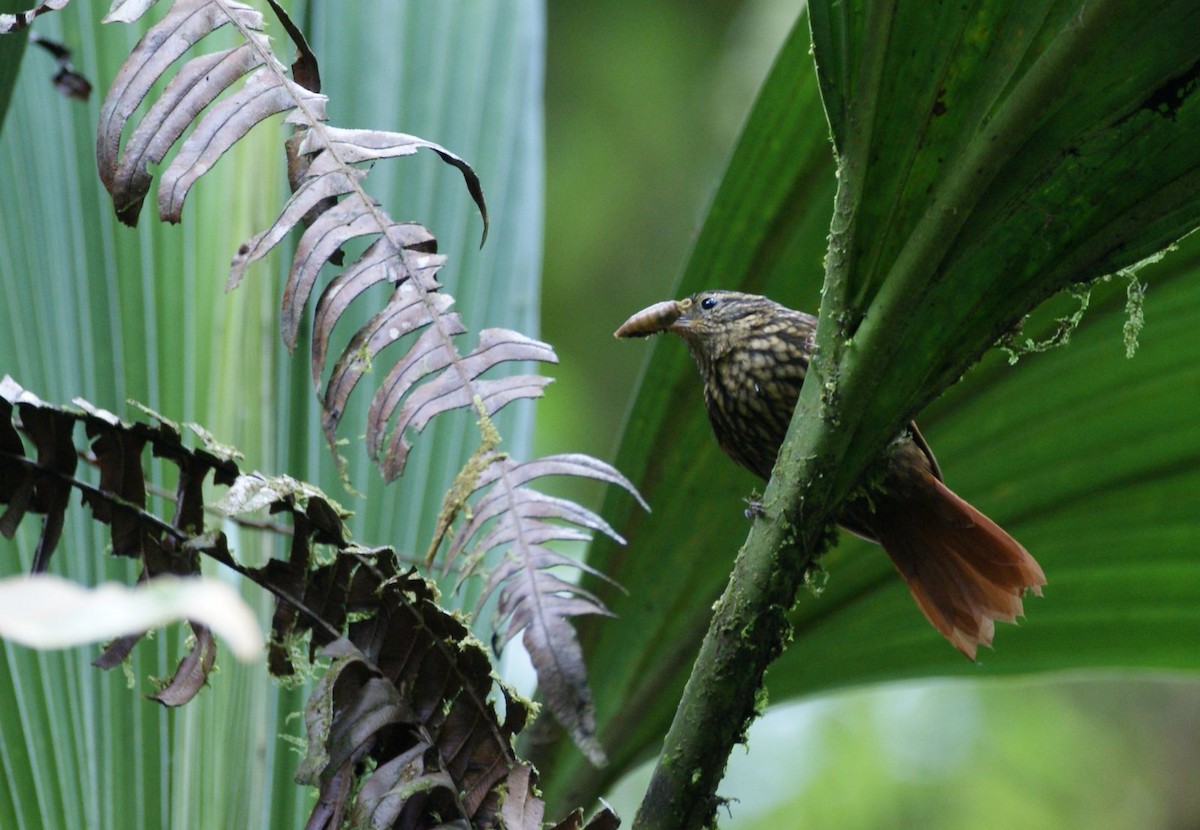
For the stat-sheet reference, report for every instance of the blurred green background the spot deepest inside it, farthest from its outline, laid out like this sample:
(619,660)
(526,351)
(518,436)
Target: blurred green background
(643,104)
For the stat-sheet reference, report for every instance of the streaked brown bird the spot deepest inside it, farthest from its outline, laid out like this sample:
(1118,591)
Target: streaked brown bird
(963,570)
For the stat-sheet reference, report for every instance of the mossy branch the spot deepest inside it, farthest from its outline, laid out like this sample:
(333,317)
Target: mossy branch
(750,628)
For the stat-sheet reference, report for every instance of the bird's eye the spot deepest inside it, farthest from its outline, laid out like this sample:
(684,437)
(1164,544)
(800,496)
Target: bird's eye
(708,303)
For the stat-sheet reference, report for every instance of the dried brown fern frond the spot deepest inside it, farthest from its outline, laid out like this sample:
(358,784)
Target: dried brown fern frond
(401,732)
(507,515)
(430,376)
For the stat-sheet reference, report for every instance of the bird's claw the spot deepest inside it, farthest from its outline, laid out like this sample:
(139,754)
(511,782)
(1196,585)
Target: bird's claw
(754,508)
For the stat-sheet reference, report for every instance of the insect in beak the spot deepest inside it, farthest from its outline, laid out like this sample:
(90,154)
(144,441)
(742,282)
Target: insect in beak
(654,319)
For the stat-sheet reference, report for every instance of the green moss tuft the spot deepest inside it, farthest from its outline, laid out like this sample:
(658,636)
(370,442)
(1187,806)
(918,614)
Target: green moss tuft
(1135,296)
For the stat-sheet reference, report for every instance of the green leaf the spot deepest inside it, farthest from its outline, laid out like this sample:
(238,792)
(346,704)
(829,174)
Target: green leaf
(1087,457)
(990,155)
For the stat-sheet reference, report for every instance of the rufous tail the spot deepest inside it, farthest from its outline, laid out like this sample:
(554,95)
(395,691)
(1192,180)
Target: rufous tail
(963,570)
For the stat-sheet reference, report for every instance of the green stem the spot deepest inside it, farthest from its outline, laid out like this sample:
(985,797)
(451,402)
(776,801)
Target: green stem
(749,627)
(748,631)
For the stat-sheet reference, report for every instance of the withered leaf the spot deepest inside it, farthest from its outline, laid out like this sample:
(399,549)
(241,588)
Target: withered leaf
(312,191)
(51,431)
(328,196)
(507,514)
(348,219)
(220,97)
(400,787)
(188,93)
(115,652)
(455,385)
(447,754)
(187,22)
(193,670)
(16,481)
(265,93)
(119,455)
(376,265)
(19,20)
(521,809)
(401,727)
(127,11)
(304,69)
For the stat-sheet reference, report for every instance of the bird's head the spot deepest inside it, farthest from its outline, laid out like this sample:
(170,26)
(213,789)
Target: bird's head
(710,322)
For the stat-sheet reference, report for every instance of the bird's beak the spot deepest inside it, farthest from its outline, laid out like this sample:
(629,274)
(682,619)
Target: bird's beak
(683,322)
(665,316)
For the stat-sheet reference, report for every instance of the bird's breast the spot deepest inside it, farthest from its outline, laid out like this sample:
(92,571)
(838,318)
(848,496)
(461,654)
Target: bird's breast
(750,395)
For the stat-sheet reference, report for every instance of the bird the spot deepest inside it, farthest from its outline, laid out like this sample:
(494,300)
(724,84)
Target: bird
(964,571)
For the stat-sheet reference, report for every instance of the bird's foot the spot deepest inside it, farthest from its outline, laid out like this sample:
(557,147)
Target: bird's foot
(754,507)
